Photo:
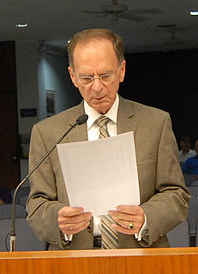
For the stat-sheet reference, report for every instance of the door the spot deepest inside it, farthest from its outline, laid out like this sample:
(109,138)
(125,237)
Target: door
(9,140)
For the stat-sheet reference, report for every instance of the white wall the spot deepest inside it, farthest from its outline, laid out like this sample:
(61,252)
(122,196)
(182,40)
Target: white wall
(27,59)
(37,73)
(56,76)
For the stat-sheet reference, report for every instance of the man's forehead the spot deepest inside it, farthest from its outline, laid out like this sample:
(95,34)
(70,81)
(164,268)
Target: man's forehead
(85,41)
(91,43)
(95,52)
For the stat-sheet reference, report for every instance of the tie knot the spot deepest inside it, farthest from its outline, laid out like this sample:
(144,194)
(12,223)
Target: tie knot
(102,121)
(102,124)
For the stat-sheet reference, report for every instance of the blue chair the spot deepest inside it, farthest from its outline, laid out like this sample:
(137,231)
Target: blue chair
(189,179)
(6,211)
(22,195)
(193,214)
(25,238)
(196,242)
(193,191)
(179,236)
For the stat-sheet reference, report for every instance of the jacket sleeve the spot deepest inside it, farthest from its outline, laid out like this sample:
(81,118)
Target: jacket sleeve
(42,204)
(168,207)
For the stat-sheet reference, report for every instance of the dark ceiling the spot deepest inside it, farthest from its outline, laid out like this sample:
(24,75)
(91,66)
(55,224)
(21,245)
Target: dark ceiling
(144,25)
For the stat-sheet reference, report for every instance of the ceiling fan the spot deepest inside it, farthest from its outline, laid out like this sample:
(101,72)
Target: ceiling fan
(116,11)
(172,43)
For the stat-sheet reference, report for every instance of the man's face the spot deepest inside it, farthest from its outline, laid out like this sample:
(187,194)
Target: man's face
(185,146)
(196,146)
(97,58)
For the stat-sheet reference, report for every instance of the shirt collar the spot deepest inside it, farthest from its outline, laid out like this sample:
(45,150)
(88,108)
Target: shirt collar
(93,114)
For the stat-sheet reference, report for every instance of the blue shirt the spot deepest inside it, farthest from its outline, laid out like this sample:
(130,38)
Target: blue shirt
(191,165)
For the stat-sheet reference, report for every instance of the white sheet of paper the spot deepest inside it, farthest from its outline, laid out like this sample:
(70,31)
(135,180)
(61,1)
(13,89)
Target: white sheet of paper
(99,175)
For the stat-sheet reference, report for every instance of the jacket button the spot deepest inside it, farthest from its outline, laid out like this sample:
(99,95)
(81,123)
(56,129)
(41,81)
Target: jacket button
(89,229)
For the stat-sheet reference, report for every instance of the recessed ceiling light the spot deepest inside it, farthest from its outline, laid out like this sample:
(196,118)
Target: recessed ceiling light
(193,13)
(25,25)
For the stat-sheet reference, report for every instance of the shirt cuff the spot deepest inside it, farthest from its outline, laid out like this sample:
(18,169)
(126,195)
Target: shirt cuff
(143,231)
(68,237)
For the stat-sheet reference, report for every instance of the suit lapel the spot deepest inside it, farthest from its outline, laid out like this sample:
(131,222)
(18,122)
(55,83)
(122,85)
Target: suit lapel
(126,117)
(79,133)
(126,121)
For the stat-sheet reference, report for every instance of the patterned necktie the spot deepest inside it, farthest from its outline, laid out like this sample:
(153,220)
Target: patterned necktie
(108,234)
(102,124)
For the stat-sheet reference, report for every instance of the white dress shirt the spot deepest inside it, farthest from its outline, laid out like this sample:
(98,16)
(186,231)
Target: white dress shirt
(183,157)
(93,134)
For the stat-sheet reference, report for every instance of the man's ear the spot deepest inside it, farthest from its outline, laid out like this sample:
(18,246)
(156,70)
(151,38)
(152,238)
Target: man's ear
(123,69)
(72,76)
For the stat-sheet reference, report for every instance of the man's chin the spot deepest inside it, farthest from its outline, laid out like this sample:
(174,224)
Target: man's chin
(101,108)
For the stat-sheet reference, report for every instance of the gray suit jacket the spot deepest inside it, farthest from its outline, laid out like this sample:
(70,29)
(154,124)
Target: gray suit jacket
(163,195)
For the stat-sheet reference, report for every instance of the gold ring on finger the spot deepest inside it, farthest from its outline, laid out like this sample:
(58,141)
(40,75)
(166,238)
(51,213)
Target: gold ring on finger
(70,226)
(130,226)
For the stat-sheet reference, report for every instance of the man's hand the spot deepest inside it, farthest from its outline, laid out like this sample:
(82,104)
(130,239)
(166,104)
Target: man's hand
(73,219)
(125,216)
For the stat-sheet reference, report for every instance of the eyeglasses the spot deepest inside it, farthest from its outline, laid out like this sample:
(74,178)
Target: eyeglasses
(105,79)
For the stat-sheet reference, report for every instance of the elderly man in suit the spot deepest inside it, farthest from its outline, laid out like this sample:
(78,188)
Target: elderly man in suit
(97,67)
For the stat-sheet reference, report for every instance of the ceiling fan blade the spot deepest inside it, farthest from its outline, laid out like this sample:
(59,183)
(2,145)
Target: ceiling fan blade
(143,11)
(92,12)
(133,17)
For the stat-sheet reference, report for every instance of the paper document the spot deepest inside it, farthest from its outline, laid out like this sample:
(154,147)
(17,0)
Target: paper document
(99,175)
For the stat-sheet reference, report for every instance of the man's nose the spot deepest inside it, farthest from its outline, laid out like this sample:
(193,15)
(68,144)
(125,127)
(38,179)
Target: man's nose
(97,85)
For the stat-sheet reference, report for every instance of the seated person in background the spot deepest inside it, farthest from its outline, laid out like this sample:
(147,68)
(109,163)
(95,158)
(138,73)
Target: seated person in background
(185,150)
(191,164)
(5,196)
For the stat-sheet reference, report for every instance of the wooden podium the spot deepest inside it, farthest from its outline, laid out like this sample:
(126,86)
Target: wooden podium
(121,261)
